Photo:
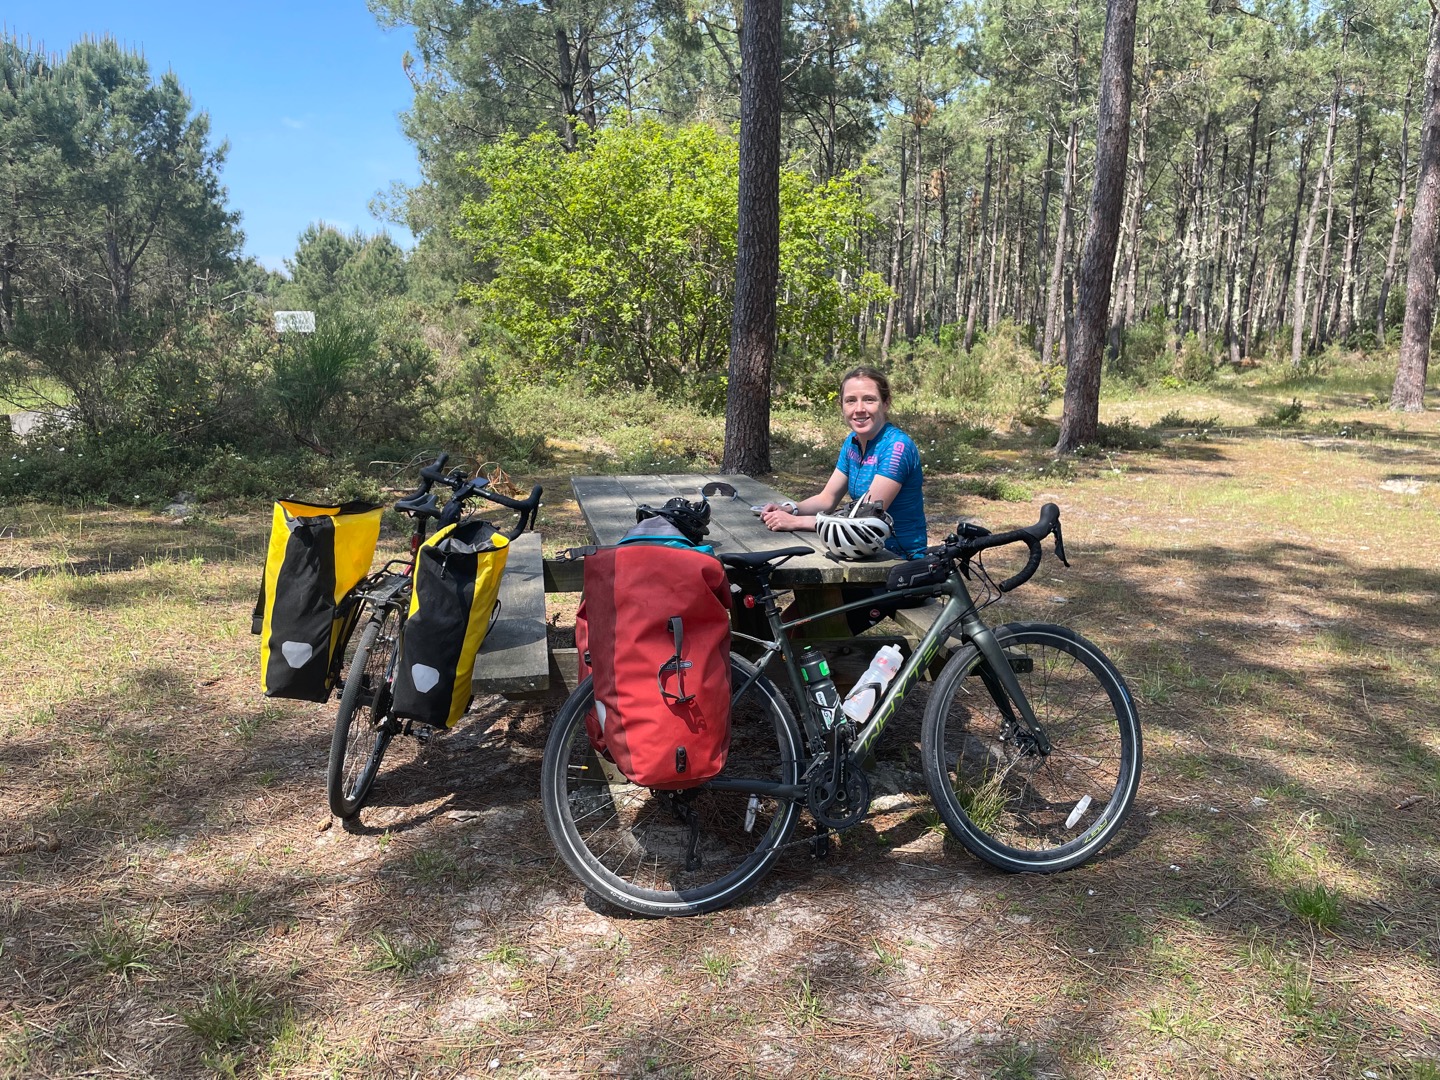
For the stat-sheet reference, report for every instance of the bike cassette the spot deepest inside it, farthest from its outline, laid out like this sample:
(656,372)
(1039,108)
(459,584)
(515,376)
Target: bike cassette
(839,805)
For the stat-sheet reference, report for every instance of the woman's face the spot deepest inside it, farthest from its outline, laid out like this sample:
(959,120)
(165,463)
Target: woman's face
(862,407)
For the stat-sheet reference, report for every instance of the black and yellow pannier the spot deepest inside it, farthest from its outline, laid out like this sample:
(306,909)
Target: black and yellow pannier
(457,582)
(317,555)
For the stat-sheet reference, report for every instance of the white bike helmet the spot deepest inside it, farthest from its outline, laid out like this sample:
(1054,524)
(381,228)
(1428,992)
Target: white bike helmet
(855,535)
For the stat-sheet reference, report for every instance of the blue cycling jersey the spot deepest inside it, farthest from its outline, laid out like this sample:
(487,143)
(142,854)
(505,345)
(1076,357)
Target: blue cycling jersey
(893,455)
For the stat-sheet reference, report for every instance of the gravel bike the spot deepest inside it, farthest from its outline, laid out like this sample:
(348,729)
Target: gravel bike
(364,724)
(1030,746)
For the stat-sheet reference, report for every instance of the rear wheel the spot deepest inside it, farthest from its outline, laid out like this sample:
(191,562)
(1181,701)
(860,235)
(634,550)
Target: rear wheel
(363,728)
(1006,801)
(668,852)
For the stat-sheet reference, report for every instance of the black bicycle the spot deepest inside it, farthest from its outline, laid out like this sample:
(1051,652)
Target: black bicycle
(364,724)
(1030,746)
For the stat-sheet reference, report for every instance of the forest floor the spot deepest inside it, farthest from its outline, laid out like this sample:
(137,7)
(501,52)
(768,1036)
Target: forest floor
(175,899)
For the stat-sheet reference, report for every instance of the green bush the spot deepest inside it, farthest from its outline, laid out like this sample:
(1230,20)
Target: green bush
(1145,351)
(1283,415)
(1194,363)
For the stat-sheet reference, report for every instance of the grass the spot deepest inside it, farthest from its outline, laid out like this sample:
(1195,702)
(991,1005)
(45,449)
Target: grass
(120,948)
(1316,904)
(1267,910)
(230,1013)
(400,957)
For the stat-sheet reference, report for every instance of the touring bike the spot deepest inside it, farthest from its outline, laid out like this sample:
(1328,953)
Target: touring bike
(364,724)
(1030,746)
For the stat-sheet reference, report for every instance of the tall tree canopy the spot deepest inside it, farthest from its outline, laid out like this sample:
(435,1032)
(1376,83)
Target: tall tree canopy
(113,215)
(1265,199)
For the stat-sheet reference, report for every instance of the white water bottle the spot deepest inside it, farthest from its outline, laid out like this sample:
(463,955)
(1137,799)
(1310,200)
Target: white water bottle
(872,684)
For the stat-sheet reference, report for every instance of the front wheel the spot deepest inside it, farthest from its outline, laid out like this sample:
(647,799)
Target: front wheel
(1008,803)
(362,725)
(668,852)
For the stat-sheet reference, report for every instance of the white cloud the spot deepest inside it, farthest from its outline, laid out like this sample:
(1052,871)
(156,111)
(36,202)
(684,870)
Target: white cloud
(293,124)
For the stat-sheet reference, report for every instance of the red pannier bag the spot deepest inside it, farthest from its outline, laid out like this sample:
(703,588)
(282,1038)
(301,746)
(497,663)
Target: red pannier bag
(653,630)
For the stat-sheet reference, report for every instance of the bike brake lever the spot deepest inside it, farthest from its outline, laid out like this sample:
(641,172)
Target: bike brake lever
(1060,545)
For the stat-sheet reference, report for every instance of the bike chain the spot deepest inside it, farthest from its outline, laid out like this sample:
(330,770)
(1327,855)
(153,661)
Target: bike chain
(809,840)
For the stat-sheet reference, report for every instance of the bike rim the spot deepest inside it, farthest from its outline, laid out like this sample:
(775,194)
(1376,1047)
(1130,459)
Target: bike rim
(1030,805)
(637,842)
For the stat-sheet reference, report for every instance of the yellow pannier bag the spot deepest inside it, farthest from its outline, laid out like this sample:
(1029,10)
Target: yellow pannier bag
(455,600)
(317,555)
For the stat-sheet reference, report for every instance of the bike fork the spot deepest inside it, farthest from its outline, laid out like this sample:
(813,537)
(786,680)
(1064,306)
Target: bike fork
(1002,684)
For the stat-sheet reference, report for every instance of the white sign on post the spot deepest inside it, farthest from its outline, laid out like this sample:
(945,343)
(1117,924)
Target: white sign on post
(294,322)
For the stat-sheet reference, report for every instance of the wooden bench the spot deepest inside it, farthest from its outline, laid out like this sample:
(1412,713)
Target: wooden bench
(515,660)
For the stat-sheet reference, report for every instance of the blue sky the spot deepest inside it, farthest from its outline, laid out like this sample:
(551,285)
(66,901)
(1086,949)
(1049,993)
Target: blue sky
(307,93)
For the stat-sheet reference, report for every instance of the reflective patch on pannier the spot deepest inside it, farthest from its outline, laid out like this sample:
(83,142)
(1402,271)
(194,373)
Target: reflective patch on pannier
(317,554)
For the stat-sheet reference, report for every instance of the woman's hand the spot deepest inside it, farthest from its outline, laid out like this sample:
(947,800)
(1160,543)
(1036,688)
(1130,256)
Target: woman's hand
(784,518)
(787,506)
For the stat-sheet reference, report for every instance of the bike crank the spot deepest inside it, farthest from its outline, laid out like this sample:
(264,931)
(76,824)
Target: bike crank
(839,801)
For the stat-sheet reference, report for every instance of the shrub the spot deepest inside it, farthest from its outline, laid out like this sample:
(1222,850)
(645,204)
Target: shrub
(1017,372)
(1144,351)
(1193,361)
(1283,415)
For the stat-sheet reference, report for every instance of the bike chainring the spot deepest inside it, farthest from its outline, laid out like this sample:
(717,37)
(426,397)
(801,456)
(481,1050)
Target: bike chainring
(839,802)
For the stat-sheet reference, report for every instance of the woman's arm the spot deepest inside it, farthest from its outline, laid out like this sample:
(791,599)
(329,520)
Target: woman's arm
(802,518)
(884,491)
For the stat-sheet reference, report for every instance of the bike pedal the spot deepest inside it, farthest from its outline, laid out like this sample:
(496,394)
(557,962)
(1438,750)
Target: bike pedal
(421,733)
(820,845)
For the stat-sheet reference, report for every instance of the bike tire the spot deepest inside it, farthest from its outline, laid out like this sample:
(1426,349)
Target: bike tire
(1008,804)
(627,845)
(362,728)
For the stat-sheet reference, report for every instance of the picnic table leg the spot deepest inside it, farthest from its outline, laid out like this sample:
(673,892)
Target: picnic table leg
(812,599)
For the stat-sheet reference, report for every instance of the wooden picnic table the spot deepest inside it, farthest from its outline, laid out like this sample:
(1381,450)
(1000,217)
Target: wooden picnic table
(608,505)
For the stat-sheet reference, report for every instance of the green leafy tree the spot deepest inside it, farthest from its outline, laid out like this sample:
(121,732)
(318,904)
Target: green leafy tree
(115,226)
(617,260)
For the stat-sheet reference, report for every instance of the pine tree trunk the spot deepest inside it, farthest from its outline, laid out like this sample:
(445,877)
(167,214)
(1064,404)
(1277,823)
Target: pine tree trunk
(1193,251)
(1300,189)
(1234,318)
(1080,418)
(1391,257)
(974,304)
(1322,277)
(1000,257)
(1247,311)
(916,277)
(1322,185)
(566,68)
(587,82)
(1408,394)
(757,261)
(1345,285)
(1054,309)
(895,261)
(1041,245)
(1125,299)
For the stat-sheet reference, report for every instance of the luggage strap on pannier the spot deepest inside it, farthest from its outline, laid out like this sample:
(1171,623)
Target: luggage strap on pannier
(676,625)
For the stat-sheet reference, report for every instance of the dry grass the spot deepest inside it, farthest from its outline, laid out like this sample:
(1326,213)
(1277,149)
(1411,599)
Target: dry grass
(1270,910)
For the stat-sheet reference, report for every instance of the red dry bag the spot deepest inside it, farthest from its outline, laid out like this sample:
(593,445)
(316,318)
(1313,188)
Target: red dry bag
(654,631)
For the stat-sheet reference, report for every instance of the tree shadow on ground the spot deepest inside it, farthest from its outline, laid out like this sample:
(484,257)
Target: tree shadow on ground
(194,828)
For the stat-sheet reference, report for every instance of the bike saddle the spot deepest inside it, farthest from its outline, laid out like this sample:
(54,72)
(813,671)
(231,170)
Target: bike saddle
(752,560)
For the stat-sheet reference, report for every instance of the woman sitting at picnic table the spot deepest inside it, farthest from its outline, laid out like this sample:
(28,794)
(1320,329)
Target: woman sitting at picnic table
(877,460)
